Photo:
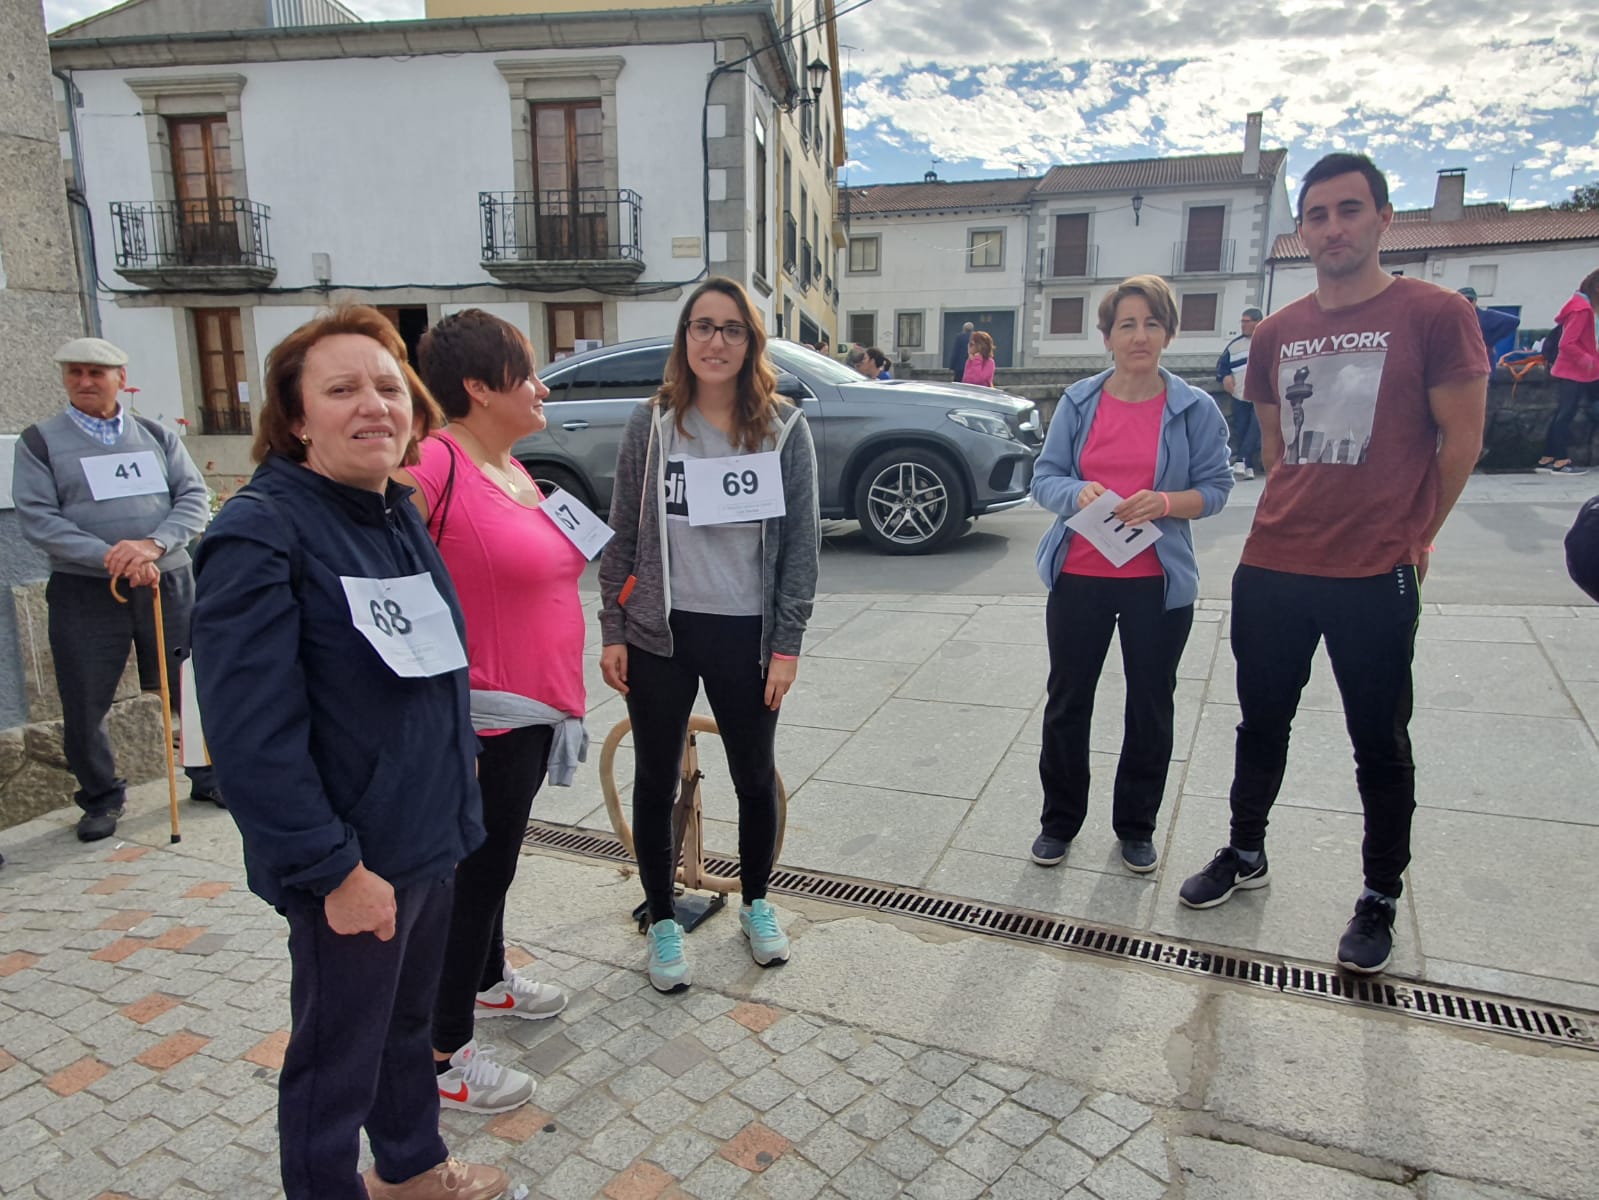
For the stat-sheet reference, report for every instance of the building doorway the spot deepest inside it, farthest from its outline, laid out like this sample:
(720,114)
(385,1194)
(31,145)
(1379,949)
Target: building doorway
(999,324)
(412,322)
(571,324)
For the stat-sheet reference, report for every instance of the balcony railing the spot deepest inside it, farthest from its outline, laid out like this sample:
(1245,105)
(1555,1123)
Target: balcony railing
(807,263)
(1212,254)
(1069,262)
(790,245)
(193,244)
(233,420)
(562,235)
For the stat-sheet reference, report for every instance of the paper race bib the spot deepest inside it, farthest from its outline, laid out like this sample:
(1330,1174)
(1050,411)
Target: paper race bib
(113,476)
(574,519)
(741,487)
(407,623)
(1118,542)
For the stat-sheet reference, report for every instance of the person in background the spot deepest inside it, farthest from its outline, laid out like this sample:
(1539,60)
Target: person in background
(958,351)
(725,602)
(108,495)
(859,359)
(1576,375)
(980,361)
(1161,444)
(516,575)
(1496,326)
(1230,374)
(331,666)
(881,362)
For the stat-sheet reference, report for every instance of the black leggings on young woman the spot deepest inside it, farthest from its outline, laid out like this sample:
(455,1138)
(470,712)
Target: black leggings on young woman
(510,769)
(724,652)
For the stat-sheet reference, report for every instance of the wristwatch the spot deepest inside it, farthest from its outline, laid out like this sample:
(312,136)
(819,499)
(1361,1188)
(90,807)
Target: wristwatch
(160,545)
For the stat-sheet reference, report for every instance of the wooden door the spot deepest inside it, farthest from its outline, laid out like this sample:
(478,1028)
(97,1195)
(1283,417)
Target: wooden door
(569,181)
(202,181)
(569,323)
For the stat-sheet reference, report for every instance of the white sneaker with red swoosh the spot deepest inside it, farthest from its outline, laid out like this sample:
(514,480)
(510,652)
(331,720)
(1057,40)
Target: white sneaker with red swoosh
(518,996)
(476,1083)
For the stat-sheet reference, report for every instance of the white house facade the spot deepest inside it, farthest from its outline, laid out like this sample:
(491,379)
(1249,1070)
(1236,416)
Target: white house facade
(1526,262)
(1050,248)
(236,185)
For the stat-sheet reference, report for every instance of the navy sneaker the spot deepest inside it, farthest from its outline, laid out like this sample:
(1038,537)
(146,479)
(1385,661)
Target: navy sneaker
(1049,851)
(1368,943)
(1224,875)
(1139,856)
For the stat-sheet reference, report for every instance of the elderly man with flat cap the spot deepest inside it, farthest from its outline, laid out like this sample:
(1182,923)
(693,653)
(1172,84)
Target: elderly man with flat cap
(107,494)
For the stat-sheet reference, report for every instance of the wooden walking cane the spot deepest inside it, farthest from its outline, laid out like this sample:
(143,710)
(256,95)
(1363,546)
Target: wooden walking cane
(166,701)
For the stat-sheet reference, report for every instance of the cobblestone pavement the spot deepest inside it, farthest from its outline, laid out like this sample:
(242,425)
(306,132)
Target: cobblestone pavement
(144,1008)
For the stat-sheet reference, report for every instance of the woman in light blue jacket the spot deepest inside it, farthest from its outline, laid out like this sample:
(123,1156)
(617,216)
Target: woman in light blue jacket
(1160,445)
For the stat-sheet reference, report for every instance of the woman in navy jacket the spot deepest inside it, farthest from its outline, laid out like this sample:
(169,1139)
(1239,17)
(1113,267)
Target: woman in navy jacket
(330,663)
(1160,445)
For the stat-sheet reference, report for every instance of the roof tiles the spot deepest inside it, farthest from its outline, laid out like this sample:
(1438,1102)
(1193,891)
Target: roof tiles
(1478,228)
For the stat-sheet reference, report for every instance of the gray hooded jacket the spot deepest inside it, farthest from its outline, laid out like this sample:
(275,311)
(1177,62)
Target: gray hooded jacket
(790,544)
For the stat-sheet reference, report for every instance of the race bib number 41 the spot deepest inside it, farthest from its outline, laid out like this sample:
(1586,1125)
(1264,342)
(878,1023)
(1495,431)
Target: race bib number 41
(113,476)
(407,623)
(741,487)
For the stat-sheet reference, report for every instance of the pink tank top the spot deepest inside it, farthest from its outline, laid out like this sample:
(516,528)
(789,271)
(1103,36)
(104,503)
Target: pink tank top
(1119,453)
(516,576)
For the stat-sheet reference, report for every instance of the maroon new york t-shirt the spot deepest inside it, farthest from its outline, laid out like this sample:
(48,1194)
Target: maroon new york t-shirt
(1358,483)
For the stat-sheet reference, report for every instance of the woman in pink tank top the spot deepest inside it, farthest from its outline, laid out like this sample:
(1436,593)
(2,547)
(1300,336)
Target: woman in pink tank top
(1160,444)
(516,575)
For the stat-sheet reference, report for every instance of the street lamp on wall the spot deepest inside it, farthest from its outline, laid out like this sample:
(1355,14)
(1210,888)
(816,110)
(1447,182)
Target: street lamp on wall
(1138,205)
(816,77)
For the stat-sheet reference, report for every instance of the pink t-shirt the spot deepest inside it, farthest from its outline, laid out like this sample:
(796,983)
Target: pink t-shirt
(1119,453)
(516,575)
(980,371)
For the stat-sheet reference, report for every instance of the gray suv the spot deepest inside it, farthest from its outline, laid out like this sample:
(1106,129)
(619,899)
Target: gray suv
(911,461)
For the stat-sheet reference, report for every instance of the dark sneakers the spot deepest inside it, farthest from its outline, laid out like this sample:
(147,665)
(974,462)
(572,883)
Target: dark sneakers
(1139,856)
(1368,943)
(200,796)
(94,826)
(1049,851)
(1224,876)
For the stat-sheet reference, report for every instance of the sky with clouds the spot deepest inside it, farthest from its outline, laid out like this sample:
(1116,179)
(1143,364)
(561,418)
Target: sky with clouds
(985,89)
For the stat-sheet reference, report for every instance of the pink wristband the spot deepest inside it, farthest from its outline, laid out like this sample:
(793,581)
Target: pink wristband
(785,657)
(1166,499)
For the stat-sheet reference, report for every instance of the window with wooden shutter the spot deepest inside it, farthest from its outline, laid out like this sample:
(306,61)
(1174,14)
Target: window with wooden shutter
(1203,249)
(1071,245)
(1066,315)
(1198,312)
(219,338)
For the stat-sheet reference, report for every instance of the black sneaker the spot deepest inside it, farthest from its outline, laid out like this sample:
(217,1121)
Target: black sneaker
(197,796)
(1368,943)
(1049,851)
(94,826)
(1139,856)
(1225,874)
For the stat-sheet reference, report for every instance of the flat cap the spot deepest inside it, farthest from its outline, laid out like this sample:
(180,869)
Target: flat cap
(1470,293)
(97,351)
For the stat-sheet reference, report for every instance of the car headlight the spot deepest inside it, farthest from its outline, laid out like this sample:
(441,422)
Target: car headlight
(983,422)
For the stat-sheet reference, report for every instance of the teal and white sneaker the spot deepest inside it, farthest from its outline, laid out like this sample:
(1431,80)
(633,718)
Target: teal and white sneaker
(669,970)
(768,942)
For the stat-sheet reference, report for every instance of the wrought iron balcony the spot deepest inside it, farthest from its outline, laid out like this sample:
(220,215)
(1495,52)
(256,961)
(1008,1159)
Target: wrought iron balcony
(790,245)
(807,264)
(566,236)
(213,421)
(1080,261)
(193,245)
(1212,254)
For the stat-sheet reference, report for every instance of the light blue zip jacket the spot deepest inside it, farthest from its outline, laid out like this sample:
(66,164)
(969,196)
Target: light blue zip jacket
(1192,454)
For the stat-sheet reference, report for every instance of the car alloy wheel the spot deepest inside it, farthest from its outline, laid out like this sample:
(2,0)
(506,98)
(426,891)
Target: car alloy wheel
(910,501)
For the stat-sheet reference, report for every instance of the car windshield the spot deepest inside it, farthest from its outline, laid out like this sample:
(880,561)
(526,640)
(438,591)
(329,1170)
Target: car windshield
(813,363)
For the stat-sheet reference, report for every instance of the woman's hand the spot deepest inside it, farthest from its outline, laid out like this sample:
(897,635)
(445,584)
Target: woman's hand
(363,903)
(613,667)
(1142,507)
(1090,492)
(780,674)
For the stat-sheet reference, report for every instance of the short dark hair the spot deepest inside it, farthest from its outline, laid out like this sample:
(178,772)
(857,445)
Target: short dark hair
(1157,294)
(472,344)
(878,357)
(284,404)
(1342,163)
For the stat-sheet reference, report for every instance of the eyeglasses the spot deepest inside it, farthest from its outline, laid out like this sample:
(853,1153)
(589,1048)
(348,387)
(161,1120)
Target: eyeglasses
(733,333)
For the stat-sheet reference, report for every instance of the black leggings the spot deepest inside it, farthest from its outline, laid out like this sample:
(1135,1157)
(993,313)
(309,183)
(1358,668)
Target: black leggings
(1369,625)
(1571,395)
(725,653)
(510,769)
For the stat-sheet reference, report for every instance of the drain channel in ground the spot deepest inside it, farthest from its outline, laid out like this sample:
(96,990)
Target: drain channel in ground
(1416,998)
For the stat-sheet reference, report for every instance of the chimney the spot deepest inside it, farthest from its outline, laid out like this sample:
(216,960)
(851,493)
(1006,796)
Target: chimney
(1252,144)
(1449,203)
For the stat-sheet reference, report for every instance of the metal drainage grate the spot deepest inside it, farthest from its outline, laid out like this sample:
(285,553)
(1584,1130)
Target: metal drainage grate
(1448,1006)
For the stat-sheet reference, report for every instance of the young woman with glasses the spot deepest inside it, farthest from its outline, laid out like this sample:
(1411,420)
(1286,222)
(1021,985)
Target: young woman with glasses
(710,584)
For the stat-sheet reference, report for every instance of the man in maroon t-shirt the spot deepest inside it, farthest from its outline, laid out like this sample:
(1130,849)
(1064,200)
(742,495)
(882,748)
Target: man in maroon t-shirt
(1370,393)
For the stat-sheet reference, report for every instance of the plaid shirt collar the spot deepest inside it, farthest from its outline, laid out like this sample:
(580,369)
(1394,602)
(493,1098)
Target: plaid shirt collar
(105,430)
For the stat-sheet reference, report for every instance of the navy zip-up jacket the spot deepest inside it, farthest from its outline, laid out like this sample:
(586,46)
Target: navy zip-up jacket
(327,757)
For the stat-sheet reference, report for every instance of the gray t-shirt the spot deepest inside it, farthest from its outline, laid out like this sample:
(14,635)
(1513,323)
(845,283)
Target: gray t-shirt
(714,568)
